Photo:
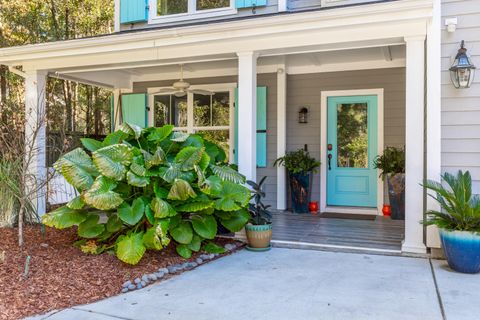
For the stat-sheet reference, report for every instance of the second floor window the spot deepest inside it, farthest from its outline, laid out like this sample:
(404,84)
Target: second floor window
(171,7)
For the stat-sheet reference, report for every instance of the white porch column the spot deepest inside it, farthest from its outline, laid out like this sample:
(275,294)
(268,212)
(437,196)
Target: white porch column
(35,135)
(414,157)
(247,114)
(281,136)
(434,113)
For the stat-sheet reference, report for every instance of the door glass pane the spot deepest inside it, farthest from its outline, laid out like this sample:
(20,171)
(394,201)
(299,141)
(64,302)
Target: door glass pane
(202,113)
(352,135)
(179,106)
(212,4)
(221,109)
(167,7)
(219,136)
(161,110)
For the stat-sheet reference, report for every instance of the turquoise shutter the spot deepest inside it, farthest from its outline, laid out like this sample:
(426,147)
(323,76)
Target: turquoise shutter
(249,3)
(132,11)
(134,109)
(261,127)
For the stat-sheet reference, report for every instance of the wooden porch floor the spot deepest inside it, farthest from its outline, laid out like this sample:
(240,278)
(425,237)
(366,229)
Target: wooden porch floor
(381,234)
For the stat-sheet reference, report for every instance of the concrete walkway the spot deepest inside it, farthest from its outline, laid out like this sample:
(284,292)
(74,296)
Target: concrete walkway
(298,284)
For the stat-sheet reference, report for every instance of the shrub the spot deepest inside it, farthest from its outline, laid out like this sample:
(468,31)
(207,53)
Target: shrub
(392,161)
(153,186)
(298,161)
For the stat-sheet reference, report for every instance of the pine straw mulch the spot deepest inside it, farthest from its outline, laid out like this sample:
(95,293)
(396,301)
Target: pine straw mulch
(60,275)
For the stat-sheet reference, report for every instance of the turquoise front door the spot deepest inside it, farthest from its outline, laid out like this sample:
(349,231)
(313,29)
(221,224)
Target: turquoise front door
(352,140)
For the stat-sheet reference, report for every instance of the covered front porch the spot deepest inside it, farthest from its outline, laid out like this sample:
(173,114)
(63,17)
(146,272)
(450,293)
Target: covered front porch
(300,60)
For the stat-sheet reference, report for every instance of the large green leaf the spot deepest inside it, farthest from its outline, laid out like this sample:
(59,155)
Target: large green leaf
(184,251)
(188,157)
(136,180)
(196,243)
(170,173)
(131,129)
(132,214)
(205,226)
(179,136)
(91,144)
(212,185)
(228,174)
(156,237)
(64,217)
(161,208)
(236,221)
(137,167)
(90,228)
(181,190)
(114,138)
(111,161)
(130,248)
(182,233)
(213,248)
(101,196)
(232,197)
(160,134)
(114,223)
(195,206)
(77,168)
(157,158)
(76,203)
(205,161)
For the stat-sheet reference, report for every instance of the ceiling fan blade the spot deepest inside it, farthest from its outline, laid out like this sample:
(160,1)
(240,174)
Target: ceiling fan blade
(169,90)
(202,92)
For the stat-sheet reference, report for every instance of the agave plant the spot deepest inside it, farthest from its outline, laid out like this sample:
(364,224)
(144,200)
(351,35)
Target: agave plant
(461,209)
(153,186)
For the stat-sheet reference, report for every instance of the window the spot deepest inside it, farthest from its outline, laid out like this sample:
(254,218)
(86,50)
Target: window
(171,10)
(210,116)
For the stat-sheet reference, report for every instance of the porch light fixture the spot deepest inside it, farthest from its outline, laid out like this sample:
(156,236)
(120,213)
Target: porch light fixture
(462,70)
(303,115)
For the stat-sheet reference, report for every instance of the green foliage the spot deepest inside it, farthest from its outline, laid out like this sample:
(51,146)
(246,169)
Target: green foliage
(298,161)
(392,161)
(155,185)
(258,210)
(461,209)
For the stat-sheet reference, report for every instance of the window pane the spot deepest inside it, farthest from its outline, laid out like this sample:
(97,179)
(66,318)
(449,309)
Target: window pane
(179,105)
(221,109)
(212,4)
(221,137)
(352,135)
(166,7)
(161,111)
(202,110)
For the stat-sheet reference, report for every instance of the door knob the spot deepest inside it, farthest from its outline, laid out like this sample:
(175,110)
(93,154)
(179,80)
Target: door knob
(329,161)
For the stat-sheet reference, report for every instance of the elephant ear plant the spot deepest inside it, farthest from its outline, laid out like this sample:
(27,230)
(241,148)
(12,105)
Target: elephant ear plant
(141,189)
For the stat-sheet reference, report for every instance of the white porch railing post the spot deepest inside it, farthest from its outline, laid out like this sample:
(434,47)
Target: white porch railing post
(281,136)
(247,114)
(414,157)
(35,134)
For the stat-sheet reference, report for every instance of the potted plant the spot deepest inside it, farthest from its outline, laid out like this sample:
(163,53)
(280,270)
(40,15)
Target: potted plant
(392,165)
(259,228)
(458,222)
(301,167)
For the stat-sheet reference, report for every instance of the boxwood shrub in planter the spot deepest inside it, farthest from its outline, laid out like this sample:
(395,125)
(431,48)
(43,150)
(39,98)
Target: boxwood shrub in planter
(458,222)
(392,165)
(153,186)
(301,167)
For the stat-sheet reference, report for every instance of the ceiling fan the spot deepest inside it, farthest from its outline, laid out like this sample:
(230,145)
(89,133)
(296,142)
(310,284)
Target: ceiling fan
(181,87)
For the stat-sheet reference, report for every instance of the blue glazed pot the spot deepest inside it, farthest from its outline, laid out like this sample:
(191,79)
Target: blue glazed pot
(462,250)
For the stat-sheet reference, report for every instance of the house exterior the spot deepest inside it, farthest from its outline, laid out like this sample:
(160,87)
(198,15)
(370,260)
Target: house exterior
(265,60)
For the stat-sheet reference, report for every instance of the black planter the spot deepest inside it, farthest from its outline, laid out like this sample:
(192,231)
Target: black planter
(396,195)
(300,191)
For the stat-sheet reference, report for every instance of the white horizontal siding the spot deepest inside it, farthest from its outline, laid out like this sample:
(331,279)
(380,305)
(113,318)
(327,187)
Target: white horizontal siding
(461,108)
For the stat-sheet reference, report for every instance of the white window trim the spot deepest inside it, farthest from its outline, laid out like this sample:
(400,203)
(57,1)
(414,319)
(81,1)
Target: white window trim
(192,13)
(190,128)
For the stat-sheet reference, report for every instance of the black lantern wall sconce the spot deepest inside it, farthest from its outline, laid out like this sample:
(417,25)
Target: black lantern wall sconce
(462,70)
(303,115)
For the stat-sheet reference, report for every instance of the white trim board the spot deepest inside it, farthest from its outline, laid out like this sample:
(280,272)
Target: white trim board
(323,145)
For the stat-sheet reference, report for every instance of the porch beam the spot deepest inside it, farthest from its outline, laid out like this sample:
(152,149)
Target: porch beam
(247,114)
(35,138)
(281,136)
(414,156)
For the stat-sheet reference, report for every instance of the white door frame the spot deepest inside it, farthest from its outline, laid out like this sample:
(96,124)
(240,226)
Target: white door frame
(323,149)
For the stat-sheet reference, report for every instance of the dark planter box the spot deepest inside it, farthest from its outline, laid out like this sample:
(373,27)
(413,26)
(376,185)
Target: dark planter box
(396,195)
(300,191)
